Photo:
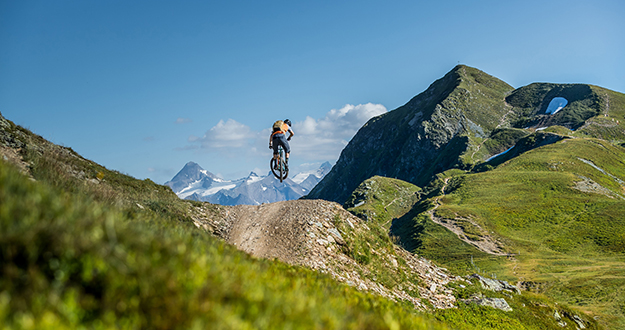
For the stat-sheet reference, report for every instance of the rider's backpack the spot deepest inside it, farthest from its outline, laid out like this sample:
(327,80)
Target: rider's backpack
(277,126)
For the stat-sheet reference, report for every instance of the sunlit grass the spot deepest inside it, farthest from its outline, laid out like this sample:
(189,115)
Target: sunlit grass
(69,261)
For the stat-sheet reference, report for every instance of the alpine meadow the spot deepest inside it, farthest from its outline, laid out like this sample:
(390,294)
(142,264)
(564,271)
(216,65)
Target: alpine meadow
(473,206)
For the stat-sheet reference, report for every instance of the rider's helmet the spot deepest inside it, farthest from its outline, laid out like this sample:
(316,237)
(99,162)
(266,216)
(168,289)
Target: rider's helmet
(288,122)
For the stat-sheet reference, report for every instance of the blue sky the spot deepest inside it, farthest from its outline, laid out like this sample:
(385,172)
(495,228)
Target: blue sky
(143,87)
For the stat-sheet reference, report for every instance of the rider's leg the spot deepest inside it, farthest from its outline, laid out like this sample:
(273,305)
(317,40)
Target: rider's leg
(275,143)
(287,150)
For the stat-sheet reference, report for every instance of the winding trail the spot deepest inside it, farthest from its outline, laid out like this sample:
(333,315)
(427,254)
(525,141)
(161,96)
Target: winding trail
(486,243)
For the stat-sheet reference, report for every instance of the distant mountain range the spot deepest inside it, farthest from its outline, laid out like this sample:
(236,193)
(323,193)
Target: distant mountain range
(195,183)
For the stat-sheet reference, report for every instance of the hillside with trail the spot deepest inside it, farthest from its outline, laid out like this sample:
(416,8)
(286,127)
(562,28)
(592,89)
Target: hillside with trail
(479,188)
(321,235)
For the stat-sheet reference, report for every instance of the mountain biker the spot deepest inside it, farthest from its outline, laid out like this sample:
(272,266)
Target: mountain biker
(278,138)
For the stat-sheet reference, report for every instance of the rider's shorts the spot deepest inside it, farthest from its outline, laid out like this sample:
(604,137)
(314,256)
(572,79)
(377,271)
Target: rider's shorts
(280,139)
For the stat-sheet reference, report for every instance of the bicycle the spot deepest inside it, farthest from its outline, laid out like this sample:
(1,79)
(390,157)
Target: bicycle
(279,167)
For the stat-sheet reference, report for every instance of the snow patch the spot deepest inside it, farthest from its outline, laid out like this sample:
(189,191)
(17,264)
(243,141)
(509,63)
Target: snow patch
(192,185)
(300,177)
(214,190)
(253,178)
(556,104)
(499,154)
(318,173)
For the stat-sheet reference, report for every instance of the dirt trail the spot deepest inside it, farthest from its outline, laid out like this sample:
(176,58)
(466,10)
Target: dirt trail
(486,243)
(273,230)
(305,233)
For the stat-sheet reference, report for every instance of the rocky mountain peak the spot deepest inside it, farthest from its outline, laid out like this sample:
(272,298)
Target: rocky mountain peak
(191,173)
(426,135)
(447,125)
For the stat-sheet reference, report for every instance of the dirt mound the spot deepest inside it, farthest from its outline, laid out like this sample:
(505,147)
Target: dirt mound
(306,233)
(275,230)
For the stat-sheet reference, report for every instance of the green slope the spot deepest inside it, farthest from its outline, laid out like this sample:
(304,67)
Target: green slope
(86,247)
(69,262)
(412,227)
(381,199)
(559,211)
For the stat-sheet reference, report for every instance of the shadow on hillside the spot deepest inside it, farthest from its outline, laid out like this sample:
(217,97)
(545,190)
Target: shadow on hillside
(408,228)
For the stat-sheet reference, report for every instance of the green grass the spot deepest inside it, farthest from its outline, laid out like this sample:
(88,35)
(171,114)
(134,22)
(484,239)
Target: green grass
(564,243)
(69,261)
(413,229)
(382,199)
(571,242)
(529,311)
(87,247)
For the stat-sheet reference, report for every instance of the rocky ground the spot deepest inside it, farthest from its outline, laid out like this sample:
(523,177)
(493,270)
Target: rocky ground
(303,232)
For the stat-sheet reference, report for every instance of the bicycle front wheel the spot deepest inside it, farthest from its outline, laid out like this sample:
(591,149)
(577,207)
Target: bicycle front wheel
(284,169)
(273,165)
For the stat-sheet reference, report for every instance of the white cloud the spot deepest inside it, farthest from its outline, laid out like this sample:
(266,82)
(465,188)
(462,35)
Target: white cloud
(323,139)
(228,134)
(315,140)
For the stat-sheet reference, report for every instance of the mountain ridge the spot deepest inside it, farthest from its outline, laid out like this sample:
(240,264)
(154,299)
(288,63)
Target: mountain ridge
(446,126)
(195,183)
(406,143)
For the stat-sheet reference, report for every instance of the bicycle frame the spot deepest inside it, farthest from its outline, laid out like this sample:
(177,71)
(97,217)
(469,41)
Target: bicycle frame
(278,166)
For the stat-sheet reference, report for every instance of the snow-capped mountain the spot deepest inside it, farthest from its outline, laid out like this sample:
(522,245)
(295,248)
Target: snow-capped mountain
(193,182)
(193,179)
(310,179)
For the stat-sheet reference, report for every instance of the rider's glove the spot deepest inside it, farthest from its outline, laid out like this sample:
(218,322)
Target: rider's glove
(289,138)
(270,147)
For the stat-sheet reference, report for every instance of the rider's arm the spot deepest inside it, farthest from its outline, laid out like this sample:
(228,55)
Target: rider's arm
(291,133)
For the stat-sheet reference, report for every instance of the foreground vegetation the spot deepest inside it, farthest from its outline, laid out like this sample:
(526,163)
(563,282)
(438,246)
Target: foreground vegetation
(85,247)
(69,261)
(557,210)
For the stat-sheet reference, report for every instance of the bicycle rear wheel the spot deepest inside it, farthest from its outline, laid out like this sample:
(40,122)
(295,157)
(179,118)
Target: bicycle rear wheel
(279,167)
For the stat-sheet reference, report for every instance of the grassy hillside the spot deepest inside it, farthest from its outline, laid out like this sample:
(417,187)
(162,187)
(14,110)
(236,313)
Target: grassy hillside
(85,247)
(591,111)
(70,262)
(558,210)
(411,227)
(381,199)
